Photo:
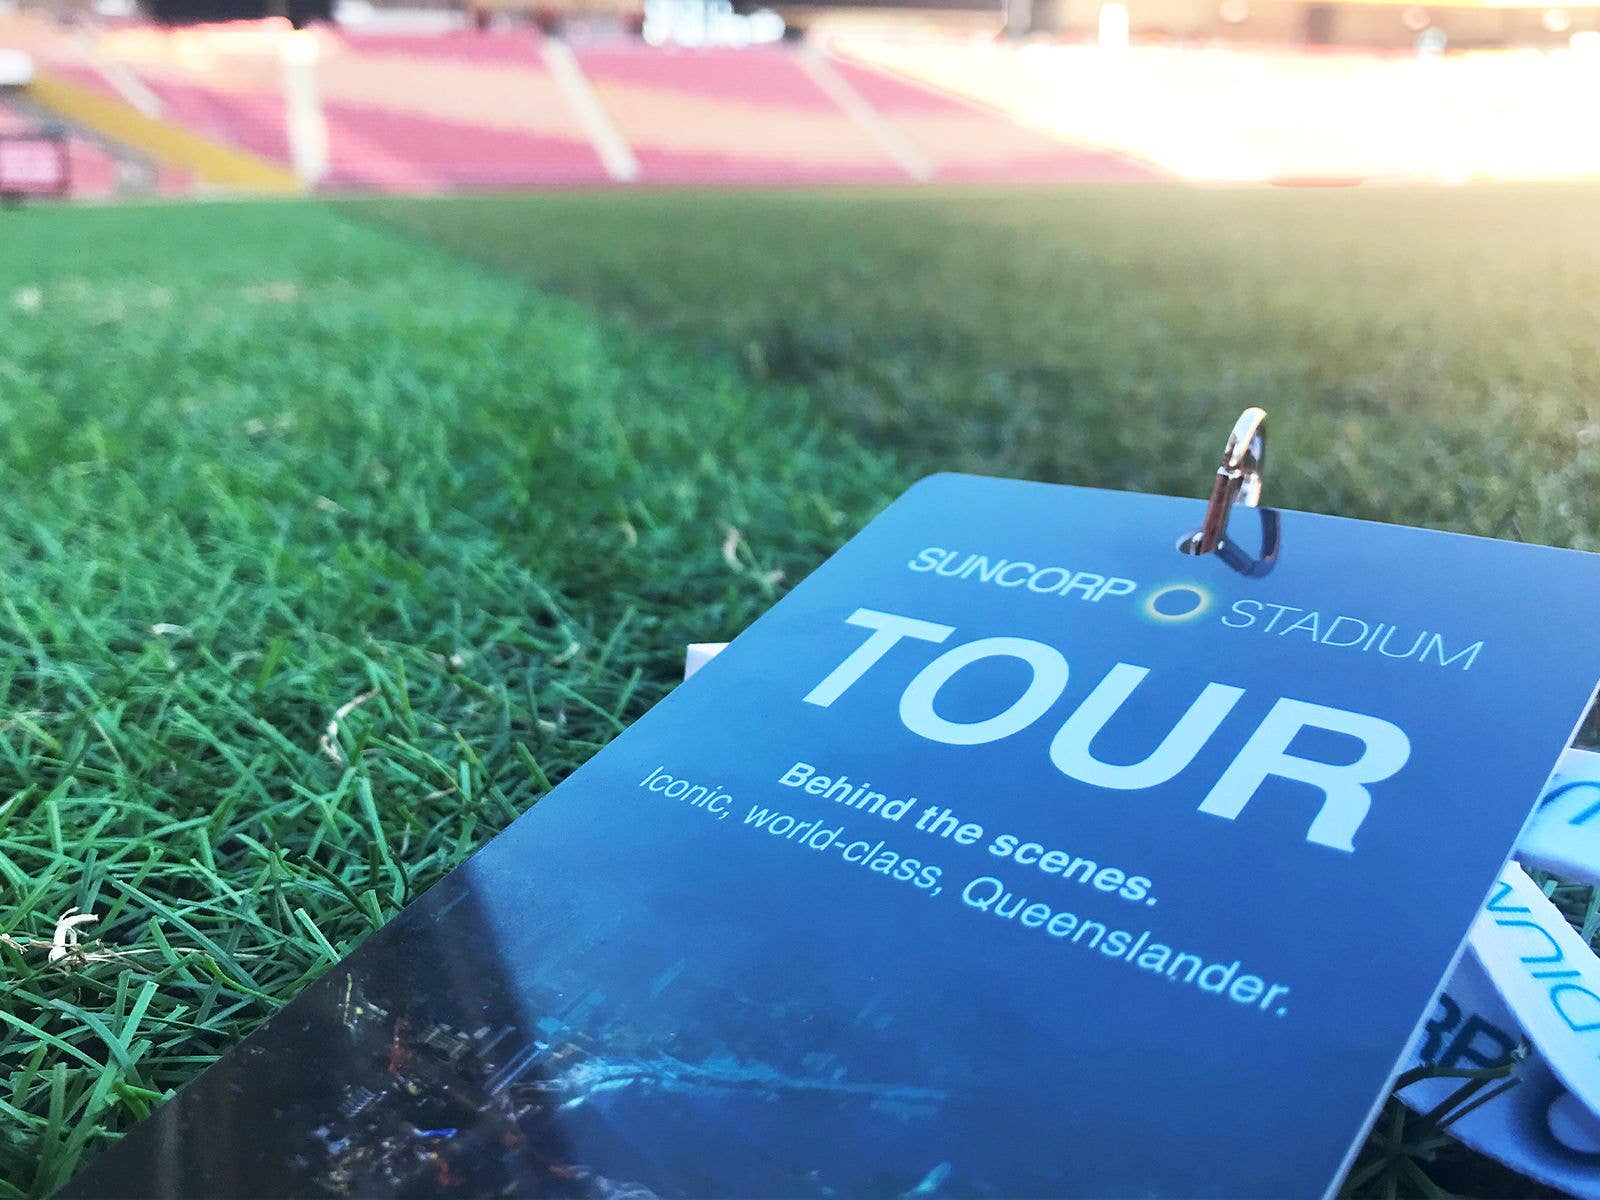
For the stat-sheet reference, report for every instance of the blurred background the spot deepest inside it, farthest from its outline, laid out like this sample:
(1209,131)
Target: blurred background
(173,97)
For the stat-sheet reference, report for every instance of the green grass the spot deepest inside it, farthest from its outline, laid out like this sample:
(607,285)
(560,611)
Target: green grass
(267,460)
(262,462)
(1427,356)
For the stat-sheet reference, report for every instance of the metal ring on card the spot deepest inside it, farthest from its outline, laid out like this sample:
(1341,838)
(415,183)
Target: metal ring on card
(1254,567)
(1238,481)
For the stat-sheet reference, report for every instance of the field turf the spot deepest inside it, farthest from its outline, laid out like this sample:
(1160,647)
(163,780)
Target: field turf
(463,476)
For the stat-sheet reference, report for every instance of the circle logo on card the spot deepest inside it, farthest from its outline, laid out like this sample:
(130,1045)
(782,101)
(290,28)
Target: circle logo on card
(1177,602)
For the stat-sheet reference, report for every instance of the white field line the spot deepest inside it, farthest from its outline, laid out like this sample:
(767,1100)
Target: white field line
(615,154)
(854,105)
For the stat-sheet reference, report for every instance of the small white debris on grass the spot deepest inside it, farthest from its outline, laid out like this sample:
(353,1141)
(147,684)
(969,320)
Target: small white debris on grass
(730,547)
(65,939)
(330,740)
(63,944)
(730,554)
(165,629)
(65,950)
(279,292)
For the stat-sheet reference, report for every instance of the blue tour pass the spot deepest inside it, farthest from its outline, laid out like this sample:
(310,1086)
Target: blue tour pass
(1013,853)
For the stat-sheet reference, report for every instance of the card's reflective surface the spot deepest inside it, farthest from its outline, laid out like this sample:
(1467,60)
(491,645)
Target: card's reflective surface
(971,949)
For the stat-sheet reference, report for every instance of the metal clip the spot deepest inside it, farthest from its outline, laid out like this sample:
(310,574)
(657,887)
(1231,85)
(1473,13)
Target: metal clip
(1239,481)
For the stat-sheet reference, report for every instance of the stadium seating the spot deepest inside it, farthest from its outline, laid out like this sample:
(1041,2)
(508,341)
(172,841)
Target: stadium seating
(448,111)
(92,172)
(965,141)
(250,118)
(221,84)
(469,109)
(730,116)
(1281,115)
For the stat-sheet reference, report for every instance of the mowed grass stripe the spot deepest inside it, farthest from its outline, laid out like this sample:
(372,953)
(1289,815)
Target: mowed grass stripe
(264,461)
(1429,356)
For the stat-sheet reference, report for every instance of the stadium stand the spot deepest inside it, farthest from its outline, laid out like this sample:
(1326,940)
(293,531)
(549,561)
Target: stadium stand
(220,83)
(261,107)
(129,145)
(448,111)
(966,142)
(91,173)
(1280,115)
(731,116)
(250,118)
(510,108)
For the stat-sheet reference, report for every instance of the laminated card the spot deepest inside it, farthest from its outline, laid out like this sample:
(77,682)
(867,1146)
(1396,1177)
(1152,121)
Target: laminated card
(1013,853)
